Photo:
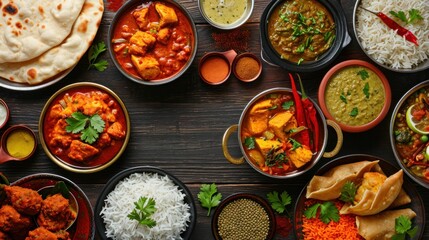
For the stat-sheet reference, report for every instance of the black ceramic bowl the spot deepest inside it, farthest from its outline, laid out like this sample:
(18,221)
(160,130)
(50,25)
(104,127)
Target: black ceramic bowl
(342,39)
(416,203)
(111,184)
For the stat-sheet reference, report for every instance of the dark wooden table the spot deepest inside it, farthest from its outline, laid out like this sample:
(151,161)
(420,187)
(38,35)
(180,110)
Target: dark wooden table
(179,126)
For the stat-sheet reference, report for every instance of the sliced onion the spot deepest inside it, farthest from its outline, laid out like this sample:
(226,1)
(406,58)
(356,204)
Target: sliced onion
(119,40)
(128,65)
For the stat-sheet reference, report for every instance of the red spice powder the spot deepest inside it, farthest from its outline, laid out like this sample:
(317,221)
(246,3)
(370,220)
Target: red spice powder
(236,39)
(114,5)
(283,226)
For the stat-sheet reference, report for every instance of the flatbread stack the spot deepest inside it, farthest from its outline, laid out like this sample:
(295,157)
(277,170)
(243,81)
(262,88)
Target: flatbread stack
(40,39)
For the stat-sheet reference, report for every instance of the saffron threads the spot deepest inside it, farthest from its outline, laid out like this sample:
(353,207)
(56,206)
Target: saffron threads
(236,39)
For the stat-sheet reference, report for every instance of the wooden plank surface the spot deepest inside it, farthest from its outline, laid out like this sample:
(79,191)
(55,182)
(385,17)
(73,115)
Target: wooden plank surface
(179,126)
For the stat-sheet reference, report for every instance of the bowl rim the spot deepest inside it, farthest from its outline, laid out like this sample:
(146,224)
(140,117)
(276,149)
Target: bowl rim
(355,158)
(404,98)
(71,167)
(341,41)
(134,3)
(307,166)
(3,102)
(246,54)
(236,24)
(11,129)
(243,195)
(387,92)
(113,181)
(401,70)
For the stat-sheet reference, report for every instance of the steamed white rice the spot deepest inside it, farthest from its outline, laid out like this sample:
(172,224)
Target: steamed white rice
(383,44)
(172,213)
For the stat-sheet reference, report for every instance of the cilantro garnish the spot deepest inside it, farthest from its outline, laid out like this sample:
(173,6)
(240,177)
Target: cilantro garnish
(287,105)
(88,126)
(414,15)
(249,142)
(93,53)
(403,228)
(354,112)
(343,98)
(209,197)
(328,212)
(300,61)
(363,74)
(348,192)
(295,143)
(279,201)
(144,208)
(366,90)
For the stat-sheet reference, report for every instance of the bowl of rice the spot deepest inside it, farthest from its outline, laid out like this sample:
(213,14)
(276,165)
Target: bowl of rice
(174,214)
(385,46)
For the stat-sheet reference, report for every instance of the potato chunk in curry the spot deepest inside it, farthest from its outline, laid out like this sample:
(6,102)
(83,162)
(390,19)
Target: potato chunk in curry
(167,15)
(140,42)
(148,67)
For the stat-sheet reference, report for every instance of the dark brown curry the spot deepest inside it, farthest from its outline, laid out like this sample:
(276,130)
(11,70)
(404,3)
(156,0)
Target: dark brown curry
(301,30)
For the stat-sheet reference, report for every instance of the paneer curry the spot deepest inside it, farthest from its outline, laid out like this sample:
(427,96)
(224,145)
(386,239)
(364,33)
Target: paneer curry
(84,126)
(153,41)
(270,135)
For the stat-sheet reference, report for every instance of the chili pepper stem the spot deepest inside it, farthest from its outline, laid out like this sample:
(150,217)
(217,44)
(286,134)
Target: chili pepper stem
(303,93)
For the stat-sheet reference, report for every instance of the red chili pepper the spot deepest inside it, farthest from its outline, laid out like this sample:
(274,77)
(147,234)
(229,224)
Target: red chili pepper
(401,31)
(303,136)
(311,116)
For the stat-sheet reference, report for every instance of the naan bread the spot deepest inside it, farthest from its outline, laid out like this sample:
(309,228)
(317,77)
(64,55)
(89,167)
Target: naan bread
(381,226)
(373,202)
(62,57)
(30,27)
(328,186)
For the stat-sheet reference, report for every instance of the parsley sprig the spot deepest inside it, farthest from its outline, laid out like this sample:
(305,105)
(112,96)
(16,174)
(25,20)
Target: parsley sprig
(89,126)
(279,202)
(403,227)
(413,15)
(328,212)
(348,192)
(209,197)
(144,209)
(93,53)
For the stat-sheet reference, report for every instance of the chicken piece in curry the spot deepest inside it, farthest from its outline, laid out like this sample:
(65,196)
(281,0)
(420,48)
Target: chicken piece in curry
(24,200)
(270,135)
(56,213)
(42,233)
(12,221)
(85,126)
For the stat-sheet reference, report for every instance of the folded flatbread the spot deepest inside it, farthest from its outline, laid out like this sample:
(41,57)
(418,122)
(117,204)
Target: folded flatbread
(328,186)
(63,56)
(30,27)
(381,226)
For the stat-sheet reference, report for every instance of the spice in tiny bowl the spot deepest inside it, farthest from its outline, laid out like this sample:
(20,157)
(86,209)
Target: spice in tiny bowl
(4,113)
(247,67)
(215,67)
(18,143)
(243,216)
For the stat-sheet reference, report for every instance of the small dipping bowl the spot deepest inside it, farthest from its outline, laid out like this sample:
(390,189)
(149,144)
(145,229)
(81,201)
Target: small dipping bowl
(4,113)
(247,67)
(216,67)
(226,16)
(17,143)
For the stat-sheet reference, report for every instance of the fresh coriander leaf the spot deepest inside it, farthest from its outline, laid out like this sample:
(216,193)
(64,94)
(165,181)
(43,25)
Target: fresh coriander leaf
(287,105)
(249,142)
(97,123)
(402,224)
(400,15)
(354,112)
(414,15)
(300,49)
(348,192)
(209,197)
(89,135)
(279,202)
(300,61)
(295,144)
(366,90)
(75,123)
(343,98)
(94,51)
(363,74)
(311,211)
(88,126)
(328,212)
(143,209)
(399,236)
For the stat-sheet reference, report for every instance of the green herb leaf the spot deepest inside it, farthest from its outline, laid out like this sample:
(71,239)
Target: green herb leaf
(295,144)
(400,15)
(402,224)
(94,51)
(300,48)
(363,74)
(300,61)
(348,192)
(279,202)
(354,112)
(311,211)
(343,98)
(366,90)
(414,15)
(249,142)
(328,212)
(208,197)
(272,107)
(287,105)
(88,126)
(144,208)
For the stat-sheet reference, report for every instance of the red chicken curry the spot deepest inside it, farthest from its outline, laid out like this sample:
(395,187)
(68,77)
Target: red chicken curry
(85,127)
(153,41)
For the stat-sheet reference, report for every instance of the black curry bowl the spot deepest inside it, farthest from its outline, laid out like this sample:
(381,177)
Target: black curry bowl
(341,40)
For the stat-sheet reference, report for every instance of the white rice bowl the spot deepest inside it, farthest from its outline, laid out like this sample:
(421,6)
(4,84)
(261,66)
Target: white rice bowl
(172,214)
(383,44)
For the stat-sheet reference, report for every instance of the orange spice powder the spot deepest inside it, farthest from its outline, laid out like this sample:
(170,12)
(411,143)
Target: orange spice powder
(345,228)
(214,69)
(247,68)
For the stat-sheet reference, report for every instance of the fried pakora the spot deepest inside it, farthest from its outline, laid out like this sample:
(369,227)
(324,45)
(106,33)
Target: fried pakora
(24,200)
(11,220)
(41,233)
(56,213)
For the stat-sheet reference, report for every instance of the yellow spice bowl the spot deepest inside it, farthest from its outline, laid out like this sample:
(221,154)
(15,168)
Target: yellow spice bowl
(18,143)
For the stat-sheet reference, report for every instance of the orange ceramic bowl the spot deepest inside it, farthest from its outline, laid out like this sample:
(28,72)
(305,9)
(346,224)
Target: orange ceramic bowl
(355,94)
